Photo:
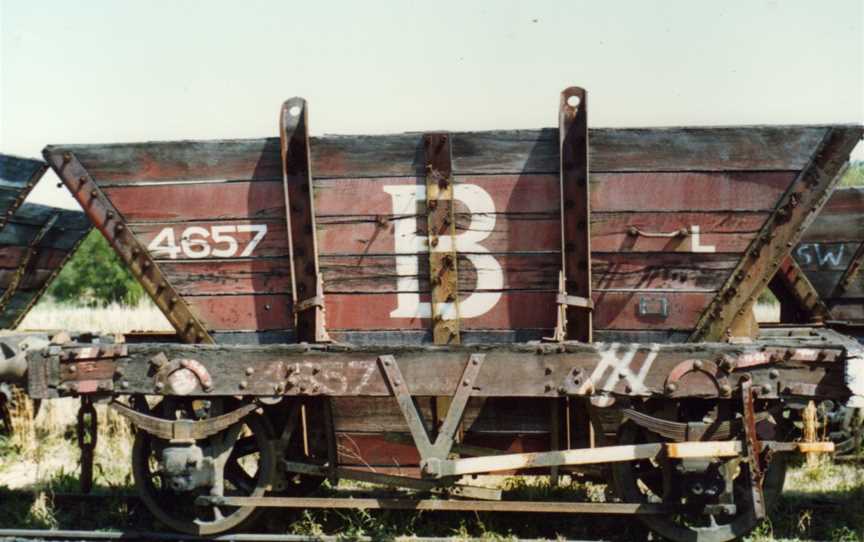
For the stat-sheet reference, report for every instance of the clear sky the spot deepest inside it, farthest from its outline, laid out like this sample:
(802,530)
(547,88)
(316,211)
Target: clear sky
(99,71)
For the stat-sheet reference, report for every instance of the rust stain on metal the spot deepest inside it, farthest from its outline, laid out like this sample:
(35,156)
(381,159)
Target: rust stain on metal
(308,291)
(136,257)
(575,212)
(441,223)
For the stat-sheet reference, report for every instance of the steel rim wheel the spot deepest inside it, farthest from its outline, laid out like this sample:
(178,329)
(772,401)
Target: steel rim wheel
(640,481)
(248,472)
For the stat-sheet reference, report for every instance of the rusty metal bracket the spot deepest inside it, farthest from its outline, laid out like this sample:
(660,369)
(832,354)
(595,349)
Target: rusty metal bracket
(753,447)
(796,209)
(441,224)
(134,254)
(24,267)
(574,320)
(306,280)
(854,267)
(182,429)
(432,453)
(88,434)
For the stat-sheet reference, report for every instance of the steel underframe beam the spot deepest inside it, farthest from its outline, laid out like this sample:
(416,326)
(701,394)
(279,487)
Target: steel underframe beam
(798,206)
(131,251)
(306,280)
(574,298)
(432,453)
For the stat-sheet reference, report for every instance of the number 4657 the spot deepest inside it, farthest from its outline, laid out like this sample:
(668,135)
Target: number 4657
(201,242)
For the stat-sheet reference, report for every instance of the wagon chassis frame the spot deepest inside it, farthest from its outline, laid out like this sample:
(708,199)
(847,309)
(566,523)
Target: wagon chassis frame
(748,377)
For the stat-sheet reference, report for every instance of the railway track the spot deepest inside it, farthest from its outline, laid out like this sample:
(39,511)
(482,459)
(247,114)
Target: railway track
(67,535)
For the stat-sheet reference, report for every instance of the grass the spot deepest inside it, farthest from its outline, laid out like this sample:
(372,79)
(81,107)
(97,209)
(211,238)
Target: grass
(821,503)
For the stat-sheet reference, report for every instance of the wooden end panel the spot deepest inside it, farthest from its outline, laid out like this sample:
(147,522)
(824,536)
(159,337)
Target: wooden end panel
(222,245)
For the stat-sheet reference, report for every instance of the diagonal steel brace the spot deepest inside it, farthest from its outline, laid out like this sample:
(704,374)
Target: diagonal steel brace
(432,452)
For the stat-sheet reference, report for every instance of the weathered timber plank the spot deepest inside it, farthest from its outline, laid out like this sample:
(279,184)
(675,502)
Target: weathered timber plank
(848,310)
(377,274)
(697,191)
(17,178)
(47,258)
(524,309)
(836,227)
(526,151)
(532,232)
(538,193)
(679,271)
(243,312)
(621,310)
(261,276)
(487,415)
(238,201)
(729,232)
(31,281)
(363,449)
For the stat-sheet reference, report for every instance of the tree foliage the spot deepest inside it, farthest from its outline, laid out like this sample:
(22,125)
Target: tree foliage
(96,276)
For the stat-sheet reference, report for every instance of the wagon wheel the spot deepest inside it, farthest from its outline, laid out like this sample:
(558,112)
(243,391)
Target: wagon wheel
(247,472)
(643,481)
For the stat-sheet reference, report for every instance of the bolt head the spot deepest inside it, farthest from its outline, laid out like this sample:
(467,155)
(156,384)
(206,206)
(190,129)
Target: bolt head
(243,384)
(671,387)
(698,364)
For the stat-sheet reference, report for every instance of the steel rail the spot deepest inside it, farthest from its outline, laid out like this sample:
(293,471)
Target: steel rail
(46,534)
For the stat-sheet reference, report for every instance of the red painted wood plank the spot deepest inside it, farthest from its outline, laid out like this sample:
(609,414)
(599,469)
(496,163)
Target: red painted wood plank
(365,449)
(681,271)
(205,201)
(538,193)
(620,310)
(725,231)
(377,274)
(243,312)
(518,310)
(229,276)
(720,191)
(642,149)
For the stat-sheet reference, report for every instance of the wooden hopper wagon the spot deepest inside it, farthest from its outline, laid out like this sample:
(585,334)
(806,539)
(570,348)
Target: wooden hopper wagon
(35,242)
(410,310)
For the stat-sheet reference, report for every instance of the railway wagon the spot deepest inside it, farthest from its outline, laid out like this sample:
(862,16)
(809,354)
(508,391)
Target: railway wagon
(828,261)
(411,310)
(35,242)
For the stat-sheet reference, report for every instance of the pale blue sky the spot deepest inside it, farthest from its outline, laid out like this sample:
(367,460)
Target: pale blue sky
(96,71)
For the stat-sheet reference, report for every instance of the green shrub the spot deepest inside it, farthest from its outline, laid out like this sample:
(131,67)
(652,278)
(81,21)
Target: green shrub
(95,276)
